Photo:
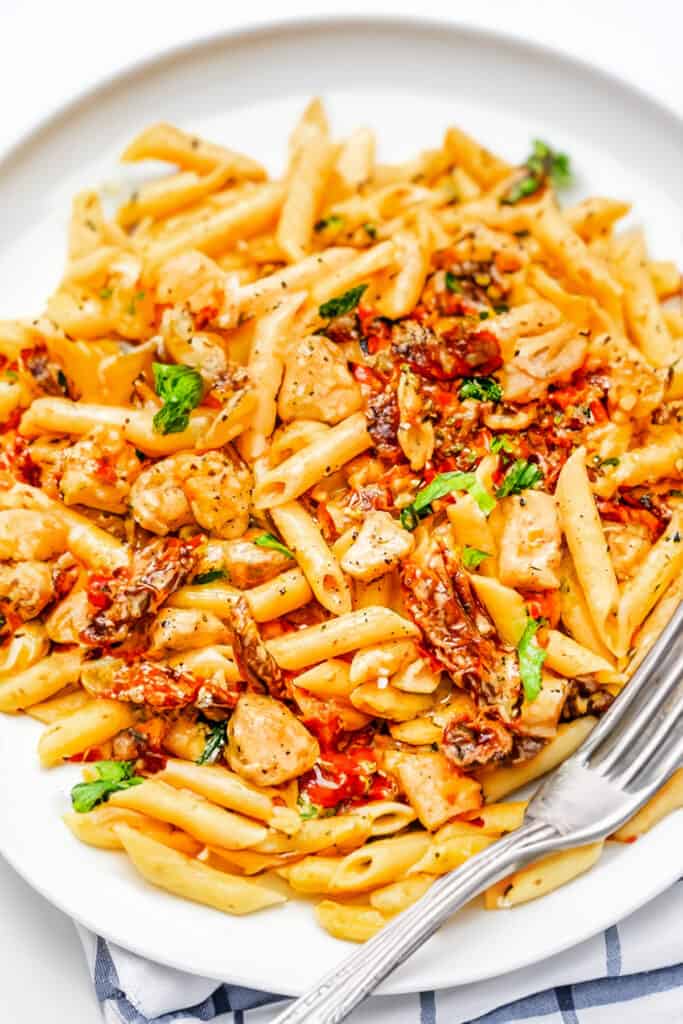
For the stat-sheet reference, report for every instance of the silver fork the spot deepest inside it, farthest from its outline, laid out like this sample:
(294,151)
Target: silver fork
(633,750)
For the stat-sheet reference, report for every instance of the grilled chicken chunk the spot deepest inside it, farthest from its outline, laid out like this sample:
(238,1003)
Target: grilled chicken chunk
(267,744)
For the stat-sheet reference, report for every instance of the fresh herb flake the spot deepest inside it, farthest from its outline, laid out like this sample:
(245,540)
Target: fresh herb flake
(453,284)
(473,557)
(181,388)
(105,293)
(519,477)
(113,776)
(210,576)
(269,540)
(370,230)
(342,304)
(481,389)
(331,223)
(541,164)
(215,743)
(439,487)
(501,443)
(531,658)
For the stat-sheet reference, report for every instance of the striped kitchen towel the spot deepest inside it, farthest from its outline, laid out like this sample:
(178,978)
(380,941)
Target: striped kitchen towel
(630,974)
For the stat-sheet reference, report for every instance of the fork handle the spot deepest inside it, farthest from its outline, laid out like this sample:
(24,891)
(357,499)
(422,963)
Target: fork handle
(336,994)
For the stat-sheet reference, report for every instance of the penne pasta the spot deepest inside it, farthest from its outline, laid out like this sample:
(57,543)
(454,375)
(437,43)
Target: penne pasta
(305,540)
(339,636)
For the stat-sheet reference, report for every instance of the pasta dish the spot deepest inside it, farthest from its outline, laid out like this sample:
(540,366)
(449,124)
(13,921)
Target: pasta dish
(335,508)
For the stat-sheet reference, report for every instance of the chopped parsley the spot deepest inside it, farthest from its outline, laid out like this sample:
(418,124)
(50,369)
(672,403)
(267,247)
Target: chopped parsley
(614,461)
(481,389)
(216,740)
(210,576)
(342,304)
(269,540)
(307,809)
(370,230)
(113,776)
(541,164)
(473,557)
(333,223)
(453,284)
(181,388)
(520,475)
(531,658)
(439,487)
(105,293)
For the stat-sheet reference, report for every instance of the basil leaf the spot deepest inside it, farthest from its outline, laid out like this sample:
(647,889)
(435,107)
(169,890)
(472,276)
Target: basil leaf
(217,738)
(452,283)
(520,475)
(268,540)
(181,388)
(342,304)
(473,557)
(113,776)
(210,576)
(481,389)
(614,461)
(439,487)
(531,658)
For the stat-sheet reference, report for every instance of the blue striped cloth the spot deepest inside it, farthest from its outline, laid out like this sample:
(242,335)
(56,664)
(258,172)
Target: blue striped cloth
(630,974)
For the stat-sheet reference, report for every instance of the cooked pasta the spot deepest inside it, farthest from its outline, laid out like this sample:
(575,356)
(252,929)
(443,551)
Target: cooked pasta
(334,509)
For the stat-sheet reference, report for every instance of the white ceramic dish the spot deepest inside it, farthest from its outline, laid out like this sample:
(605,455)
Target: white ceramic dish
(408,79)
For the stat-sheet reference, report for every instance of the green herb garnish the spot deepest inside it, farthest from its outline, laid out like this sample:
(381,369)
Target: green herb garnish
(307,809)
(501,443)
(215,743)
(210,576)
(614,461)
(481,389)
(370,230)
(473,557)
(531,658)
(105,293)
(333,223)
(113,776)
(520,475)
(269,540)
(342,304)
(181,388)
(543,163)
(453,284)
(439,487)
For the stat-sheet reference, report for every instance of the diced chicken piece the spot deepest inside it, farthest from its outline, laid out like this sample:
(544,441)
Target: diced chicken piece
(200,350)
(218,488)
(69,618)
(418,677)
(180,629)
(26,587)
(317,384)
(99,471)
(540,717)
(530,546)
(192,279)
(244,563)
(380,545)
(26,534)
(213,490)
(267,744)
(435,790)
(157,498)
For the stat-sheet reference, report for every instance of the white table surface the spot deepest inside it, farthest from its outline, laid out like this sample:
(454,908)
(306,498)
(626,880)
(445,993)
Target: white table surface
(49,52)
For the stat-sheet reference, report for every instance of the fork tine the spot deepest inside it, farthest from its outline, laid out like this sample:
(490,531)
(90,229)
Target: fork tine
(656,745)
(657,661)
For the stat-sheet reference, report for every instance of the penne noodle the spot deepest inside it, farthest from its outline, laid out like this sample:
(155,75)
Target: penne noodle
(669,798)
(166,142)
(65,703)
(99,828)
(339,636)
(40,681)
(305,540)
(353,273)
(202,819)
(307,466)
(188,877)
(587,544)
(351,923)
(311,167)
(87,727)
(379,863)
(541,878)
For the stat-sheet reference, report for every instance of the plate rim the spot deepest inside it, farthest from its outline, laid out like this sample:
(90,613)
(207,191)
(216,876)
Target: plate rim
(282,28)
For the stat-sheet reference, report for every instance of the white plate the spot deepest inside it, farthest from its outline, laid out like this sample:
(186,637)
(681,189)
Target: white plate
(408,79)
